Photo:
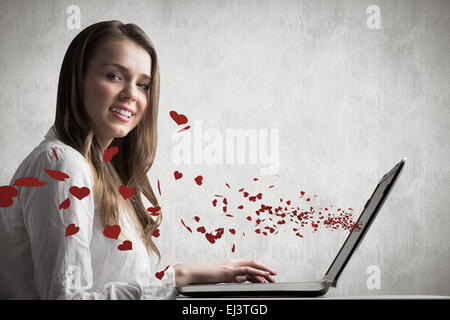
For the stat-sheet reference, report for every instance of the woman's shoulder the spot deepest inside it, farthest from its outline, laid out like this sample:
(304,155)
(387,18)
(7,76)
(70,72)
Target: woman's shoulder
(53,154)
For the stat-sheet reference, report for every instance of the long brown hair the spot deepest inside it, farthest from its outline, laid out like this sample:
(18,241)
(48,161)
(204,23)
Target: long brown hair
(136,150)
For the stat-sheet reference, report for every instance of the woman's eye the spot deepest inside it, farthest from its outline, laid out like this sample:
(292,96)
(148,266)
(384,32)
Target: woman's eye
(110,75)
(144,86)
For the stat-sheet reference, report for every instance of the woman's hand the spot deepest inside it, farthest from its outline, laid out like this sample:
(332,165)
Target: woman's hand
(223,270)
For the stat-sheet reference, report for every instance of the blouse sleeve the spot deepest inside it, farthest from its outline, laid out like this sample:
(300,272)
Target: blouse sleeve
(58,217)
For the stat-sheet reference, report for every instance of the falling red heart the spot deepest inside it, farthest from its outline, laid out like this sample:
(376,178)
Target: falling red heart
(65,204)
(79,193)
(154,211)
(112,231)
(6,195)
(210,237)
(126,192)
(29,182)
(54,153)
(199,180)
(177,175)
(178,118)
(184,129)
(110,153)
(156,233)
(189,229)
(71,229)
(126,245)
(201,229)
(57,175)
(160,274)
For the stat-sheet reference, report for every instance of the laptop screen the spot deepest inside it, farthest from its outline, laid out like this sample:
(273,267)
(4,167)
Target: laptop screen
(366,218)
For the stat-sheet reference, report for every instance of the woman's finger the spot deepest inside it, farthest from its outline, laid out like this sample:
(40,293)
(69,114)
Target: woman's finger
(244,271)
(239,279)
(257,265)
(256,279)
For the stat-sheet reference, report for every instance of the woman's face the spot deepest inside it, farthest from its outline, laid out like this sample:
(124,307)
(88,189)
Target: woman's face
(116,82)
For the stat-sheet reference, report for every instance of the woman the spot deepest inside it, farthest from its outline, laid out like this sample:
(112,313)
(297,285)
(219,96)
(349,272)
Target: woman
(76,228)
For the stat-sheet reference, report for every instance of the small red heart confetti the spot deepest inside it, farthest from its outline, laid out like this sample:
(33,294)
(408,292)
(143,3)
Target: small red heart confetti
(233,249)
(126,192)
(199,180)
(160,274)
(126,245)
(178,118)
(156,233)
(210,237)
(201,229)
(154,211)
(112,231)
(189,229)
(79,193)
(57,175)
(159,188)
(177,175)
(6,195)
(184,129)
(110,153)
(29,182)
(54,153)
(71,229)
(65,204)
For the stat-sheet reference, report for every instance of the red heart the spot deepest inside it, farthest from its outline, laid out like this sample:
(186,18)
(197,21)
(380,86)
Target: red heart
(210,237)
(189,229)
(29,182)
(154,211)
(79,193)
(160,274)
(126,245)
(199,180)
(65,204)
(71,229)
(109,153)
(177,175)
(155,233)
(178,118)
(6,195)
(57,175)
(184,129)
(54,153)
(112,231)
(126,192)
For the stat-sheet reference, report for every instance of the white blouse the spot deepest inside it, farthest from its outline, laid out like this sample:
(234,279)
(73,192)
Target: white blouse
(53,253)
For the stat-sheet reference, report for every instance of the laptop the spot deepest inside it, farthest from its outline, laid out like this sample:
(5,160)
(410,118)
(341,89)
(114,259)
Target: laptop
(313,288)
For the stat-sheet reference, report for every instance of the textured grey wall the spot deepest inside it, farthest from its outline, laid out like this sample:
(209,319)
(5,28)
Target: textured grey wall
(348,89)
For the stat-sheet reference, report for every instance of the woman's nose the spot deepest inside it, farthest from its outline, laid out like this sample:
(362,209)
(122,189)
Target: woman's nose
(129,92)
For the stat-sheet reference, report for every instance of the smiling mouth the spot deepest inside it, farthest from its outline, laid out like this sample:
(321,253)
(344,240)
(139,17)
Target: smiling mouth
(121,111)
(121,114)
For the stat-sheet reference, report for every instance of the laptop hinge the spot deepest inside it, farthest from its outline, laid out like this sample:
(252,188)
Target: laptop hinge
(331,283)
